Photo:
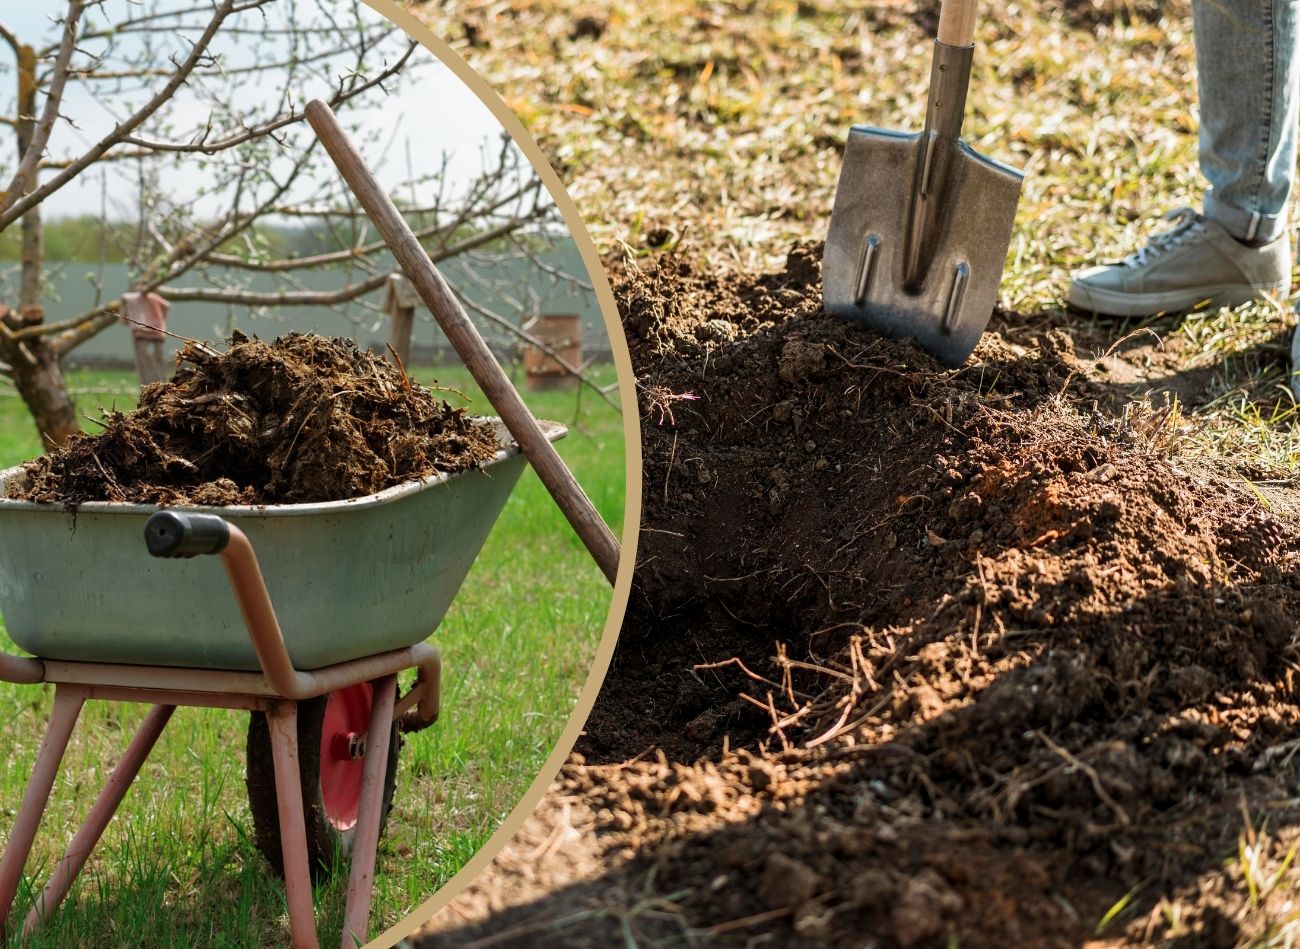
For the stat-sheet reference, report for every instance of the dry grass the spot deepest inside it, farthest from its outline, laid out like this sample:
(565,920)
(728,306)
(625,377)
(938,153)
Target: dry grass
(725,120)
(719,125)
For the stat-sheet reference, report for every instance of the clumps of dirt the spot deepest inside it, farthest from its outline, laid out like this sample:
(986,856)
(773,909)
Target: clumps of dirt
(661,309)
(299,420)
(958,656)
(974,616)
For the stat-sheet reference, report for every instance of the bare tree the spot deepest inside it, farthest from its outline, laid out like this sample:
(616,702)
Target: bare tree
(217,86)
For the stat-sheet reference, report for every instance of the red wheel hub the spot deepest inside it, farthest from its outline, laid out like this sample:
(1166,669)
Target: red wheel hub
(342,750)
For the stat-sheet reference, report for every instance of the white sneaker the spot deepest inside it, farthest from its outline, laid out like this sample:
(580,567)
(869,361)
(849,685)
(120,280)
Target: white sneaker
(1195,263)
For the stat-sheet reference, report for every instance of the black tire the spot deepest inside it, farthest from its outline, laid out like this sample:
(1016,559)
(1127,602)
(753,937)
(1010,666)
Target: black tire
(327,846)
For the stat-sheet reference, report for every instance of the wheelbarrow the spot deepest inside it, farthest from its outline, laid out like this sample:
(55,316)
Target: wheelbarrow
(339,602)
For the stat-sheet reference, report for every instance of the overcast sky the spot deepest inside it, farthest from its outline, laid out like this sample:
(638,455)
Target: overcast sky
(429,112)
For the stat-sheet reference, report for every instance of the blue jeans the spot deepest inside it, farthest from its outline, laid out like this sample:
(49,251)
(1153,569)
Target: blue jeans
(1248,62)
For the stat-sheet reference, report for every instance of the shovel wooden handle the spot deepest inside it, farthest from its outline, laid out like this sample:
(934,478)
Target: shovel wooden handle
(957,22)
(465,338)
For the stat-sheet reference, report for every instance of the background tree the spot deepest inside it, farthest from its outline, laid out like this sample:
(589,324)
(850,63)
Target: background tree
(213,90)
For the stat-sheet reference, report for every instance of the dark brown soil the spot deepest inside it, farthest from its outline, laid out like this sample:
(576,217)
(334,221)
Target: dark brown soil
(302,419)
(916,657)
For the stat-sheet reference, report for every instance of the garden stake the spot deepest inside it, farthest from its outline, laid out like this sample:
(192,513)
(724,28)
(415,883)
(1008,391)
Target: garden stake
(921,222)
(466,340)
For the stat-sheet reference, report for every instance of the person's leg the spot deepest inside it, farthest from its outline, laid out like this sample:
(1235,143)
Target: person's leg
(1238,250)
(1249,86)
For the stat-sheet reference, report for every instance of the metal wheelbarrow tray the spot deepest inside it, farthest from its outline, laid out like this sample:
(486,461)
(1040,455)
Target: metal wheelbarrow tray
(311,646)
(348,578)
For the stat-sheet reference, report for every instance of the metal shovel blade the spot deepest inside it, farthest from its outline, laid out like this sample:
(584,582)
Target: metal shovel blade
(863,269)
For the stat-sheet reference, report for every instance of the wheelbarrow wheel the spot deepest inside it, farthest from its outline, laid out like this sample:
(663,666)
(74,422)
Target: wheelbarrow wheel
(330,765)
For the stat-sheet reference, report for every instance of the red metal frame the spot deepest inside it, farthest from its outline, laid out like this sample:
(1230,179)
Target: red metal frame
(275,691)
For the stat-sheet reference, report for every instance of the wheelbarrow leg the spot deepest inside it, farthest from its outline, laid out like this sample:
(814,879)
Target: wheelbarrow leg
(101,813)
(67,706)
(282,720)
(361,876)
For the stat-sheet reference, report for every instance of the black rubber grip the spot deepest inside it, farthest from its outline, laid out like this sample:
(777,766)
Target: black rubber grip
(178,534)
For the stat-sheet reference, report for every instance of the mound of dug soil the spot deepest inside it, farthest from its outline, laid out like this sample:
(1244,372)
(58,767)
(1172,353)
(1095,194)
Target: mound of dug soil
(302,419)
(917,657)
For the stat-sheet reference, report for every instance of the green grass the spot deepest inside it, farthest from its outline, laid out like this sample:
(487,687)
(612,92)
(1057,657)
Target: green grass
(178,866)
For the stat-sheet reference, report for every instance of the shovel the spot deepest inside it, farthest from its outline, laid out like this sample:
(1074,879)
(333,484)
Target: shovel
(921,222)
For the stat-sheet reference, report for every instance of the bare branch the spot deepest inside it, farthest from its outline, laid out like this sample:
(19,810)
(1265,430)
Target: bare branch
(10,37)
(291,210)
(87,327)
(274,298)
(121,155)
(184,254)
(150,21)
(18,208)
(18,185)
(549,269)
(262,67)
(49,329)
(200,247)
(353,253)
(205,147)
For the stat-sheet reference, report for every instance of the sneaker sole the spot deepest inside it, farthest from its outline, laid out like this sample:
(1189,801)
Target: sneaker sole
(1115,303)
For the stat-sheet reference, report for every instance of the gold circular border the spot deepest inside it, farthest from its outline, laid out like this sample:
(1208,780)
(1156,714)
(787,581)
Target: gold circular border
(632,455)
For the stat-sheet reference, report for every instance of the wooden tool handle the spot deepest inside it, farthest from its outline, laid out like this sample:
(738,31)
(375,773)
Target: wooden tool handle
(464,337)
(957,22)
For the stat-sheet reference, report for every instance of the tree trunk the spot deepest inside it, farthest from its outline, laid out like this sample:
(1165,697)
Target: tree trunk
(40,383)
(33,266)
(33,259)
(37,365)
